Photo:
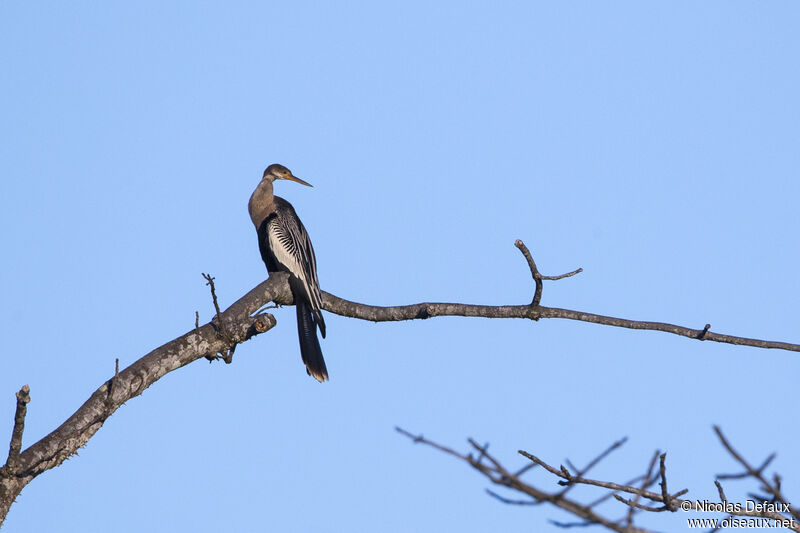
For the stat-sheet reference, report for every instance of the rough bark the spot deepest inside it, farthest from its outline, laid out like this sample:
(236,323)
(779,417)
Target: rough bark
(233,326)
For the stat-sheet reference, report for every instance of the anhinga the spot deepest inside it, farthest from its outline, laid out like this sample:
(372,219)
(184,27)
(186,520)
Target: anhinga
(285,247)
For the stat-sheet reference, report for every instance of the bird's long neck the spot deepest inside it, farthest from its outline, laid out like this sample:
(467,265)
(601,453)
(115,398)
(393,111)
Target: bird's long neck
(262,202)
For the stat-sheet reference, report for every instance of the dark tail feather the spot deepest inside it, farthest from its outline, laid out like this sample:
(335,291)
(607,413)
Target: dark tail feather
(320,322)
(309,343)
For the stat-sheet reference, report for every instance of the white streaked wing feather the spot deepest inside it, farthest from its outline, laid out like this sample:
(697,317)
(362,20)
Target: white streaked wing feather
(291,246)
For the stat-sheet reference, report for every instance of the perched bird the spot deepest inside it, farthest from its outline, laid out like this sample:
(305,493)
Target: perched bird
(286,247)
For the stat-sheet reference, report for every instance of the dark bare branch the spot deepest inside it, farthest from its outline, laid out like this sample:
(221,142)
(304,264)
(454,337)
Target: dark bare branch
(23,398)
(665,495)
(594,462)
(498,474)
(634,504)
(609,495)
(509,500)
(210,282)
(76,431)
(11,481)
(227,354)
(562,276)
(722,497)
(537,276)
(772,488)
(425,310)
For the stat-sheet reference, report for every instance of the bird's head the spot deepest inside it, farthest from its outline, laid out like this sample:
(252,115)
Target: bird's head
(280,172)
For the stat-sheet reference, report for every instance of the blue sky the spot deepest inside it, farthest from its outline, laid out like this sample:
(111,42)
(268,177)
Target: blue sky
(653,144)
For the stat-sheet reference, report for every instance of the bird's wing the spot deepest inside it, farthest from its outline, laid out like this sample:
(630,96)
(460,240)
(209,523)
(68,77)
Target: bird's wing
(291,246)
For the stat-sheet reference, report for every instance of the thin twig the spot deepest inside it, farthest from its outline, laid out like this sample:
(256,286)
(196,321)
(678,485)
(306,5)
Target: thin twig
(579,473)
(594,462)
(508,500)
(419,439)
(524,469)
(537,276)
(645,483)
(554,471)
(757,473)
(484,452)
(112,387)
(722,497)
(23,398)
(664,492)
(562,276)
(608,495)
(570,525)
(210,283)
(633,505)
(227,354)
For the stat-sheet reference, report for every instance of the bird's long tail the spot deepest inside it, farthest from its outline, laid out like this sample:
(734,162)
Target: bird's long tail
(309,343)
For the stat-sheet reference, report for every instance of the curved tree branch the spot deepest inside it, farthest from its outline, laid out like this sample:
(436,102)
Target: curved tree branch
(533,311)
(236,325)
(233,326)
(424,310)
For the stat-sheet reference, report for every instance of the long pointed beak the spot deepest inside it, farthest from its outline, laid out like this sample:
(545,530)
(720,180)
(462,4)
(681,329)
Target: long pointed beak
(292,177)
